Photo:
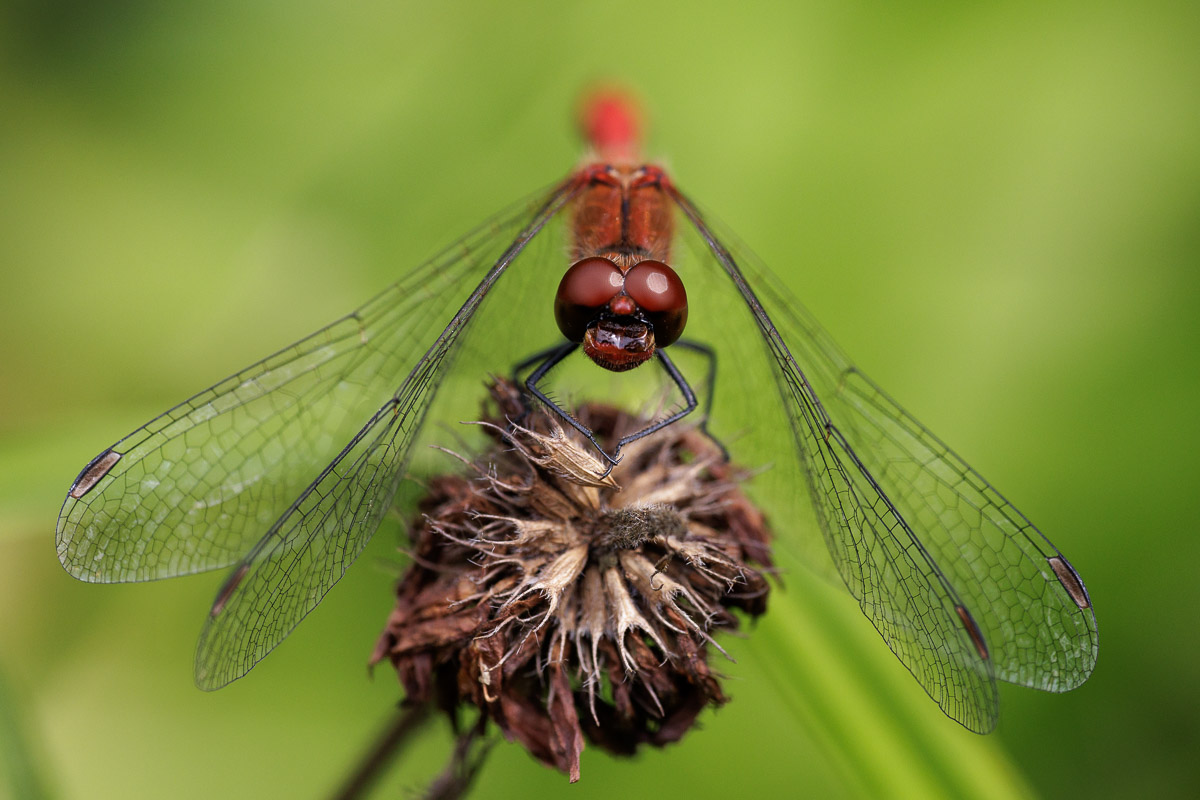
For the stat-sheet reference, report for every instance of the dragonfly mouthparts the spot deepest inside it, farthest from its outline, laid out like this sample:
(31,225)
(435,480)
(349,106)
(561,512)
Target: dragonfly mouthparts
(619,344)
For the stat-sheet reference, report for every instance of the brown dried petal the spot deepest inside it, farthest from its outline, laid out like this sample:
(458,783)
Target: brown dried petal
(567,743)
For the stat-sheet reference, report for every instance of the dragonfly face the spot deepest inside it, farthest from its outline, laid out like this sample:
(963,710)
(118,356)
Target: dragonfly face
(620,316)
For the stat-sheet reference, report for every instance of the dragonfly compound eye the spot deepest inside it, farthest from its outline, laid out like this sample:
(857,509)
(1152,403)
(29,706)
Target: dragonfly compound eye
(583,293)
(659,293)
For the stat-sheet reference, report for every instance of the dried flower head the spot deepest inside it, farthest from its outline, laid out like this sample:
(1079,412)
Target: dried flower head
(568,606)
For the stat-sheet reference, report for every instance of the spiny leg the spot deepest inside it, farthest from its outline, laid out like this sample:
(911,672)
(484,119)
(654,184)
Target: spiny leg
(549,359)
(689,399)
(710,386)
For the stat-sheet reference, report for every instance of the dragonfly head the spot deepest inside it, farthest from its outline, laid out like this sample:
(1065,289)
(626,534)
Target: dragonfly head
(620,316)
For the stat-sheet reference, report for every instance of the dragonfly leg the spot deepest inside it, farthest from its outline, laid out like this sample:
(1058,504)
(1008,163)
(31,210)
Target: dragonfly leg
(549,359)
(545,359)
(710,384)
(689,398)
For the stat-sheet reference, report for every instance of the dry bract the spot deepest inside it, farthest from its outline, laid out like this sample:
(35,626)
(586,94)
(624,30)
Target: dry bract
(569,607)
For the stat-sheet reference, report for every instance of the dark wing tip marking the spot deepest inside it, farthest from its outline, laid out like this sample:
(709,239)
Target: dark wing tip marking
(1070,581)
(973,631)
(96,469)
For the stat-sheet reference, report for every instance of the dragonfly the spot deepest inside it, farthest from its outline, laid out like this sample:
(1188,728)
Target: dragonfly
(282,472)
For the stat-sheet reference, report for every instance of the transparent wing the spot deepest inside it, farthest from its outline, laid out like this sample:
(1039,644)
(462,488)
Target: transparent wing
(309,548)
(1031,605)
(956,580)
(194,488)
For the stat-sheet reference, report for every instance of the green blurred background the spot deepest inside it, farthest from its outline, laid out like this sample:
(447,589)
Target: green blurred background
(994,208)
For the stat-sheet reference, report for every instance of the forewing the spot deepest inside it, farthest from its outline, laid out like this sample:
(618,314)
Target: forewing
(898,585)
(309,548)
(1030,604)
(194,488)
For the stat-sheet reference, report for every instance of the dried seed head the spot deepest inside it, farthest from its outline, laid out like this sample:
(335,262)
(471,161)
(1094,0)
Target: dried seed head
(568,606)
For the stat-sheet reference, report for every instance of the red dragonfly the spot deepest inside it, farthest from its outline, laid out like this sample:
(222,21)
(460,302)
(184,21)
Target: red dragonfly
(252,473)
